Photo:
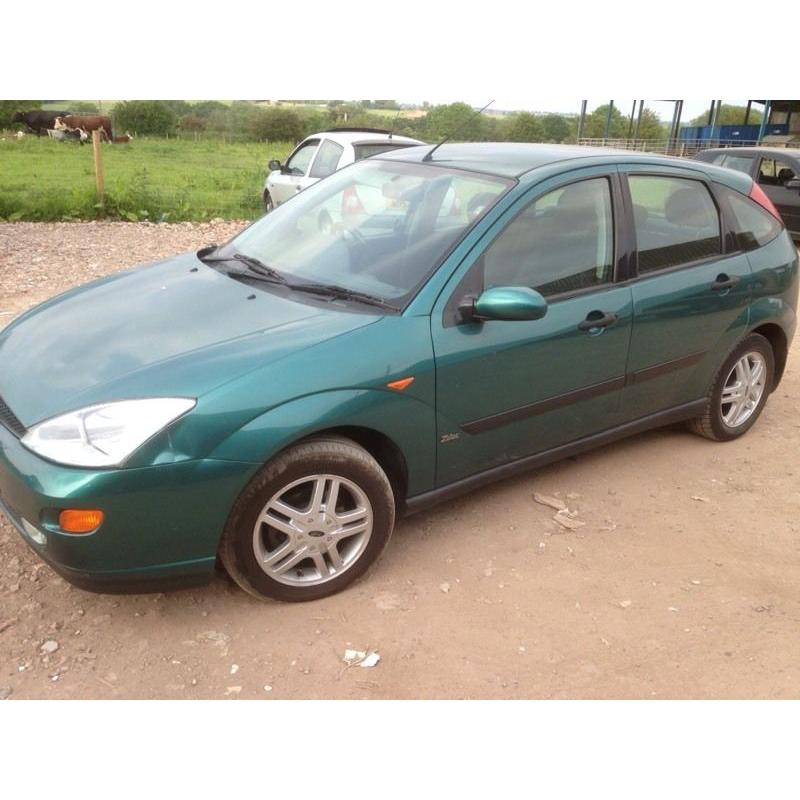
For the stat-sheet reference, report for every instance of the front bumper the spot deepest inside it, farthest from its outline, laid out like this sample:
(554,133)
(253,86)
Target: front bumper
(162,523)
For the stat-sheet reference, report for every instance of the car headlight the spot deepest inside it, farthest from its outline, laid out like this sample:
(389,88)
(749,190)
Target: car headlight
(104,435)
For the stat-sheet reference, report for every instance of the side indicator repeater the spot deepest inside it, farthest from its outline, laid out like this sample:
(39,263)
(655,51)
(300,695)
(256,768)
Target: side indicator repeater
(401,384)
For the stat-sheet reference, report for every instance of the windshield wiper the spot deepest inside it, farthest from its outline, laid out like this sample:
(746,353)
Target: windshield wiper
(341,293)
(254,266)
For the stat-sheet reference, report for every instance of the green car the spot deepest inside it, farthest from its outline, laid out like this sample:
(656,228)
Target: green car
(278,401)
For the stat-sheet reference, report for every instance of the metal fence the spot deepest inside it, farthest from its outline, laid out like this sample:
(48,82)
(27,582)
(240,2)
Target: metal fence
(672,147)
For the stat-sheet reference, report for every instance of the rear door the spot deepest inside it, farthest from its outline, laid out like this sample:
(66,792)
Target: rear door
(773,175)
(327,160)
(506,390)
(690,291)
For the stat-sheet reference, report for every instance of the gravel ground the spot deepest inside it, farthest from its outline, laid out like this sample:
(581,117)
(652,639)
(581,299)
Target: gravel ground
(681,583)
(39,260)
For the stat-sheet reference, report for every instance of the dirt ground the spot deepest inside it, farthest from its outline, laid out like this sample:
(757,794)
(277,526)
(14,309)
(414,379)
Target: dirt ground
(683,582)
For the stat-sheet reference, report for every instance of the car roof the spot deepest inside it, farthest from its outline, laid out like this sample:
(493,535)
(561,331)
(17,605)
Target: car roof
(508,160)
(362,136)
(791,152)
(511,160)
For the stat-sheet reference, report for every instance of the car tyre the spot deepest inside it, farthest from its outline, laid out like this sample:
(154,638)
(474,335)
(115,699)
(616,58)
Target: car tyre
(741,385)
(269,205)
(322,545)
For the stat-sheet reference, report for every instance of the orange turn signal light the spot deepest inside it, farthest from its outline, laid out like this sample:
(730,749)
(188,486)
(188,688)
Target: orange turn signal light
(402,384)
(80,520)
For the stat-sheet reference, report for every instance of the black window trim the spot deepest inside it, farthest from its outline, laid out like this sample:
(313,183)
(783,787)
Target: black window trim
(724,227)
(620,259)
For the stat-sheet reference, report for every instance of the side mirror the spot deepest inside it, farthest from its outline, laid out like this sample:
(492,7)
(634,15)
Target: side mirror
(275,165)
(505,303)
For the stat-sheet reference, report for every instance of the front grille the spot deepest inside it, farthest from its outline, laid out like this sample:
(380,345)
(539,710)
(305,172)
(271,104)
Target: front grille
(10,421)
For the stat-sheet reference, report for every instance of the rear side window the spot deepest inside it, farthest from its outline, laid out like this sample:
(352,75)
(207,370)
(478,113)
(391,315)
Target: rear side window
(752,226)
(676,221)
(375,149)
(327,159)
(739,163)
(562,242)
(773,172)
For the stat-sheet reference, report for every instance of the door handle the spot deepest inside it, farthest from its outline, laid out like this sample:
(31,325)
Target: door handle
(298,188)
(723,281)
(597,319)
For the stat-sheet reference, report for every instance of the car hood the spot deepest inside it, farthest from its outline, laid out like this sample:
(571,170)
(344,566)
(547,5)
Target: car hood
(174,328)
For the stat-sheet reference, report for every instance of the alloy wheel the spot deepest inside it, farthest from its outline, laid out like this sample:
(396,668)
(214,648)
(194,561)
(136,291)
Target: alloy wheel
(743,389)
(312,530)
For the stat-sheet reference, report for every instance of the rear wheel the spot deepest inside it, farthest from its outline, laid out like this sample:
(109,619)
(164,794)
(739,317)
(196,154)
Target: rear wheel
(311,522)
(739,392)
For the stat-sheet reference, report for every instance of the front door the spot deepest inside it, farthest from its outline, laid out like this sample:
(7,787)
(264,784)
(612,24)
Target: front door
(294,176)
(506,390)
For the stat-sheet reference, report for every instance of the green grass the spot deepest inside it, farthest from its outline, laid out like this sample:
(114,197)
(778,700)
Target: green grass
(157,179)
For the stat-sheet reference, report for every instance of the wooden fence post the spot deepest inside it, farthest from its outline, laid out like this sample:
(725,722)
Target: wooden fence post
(98,168)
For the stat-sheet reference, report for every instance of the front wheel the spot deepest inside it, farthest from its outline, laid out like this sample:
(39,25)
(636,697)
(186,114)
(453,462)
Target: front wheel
(310,522)
(739,392)
(269,205)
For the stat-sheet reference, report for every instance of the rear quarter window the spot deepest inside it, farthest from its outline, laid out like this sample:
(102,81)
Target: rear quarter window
(752,226)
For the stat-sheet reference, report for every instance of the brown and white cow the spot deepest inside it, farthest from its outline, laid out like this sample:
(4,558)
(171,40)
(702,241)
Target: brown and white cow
(85,122)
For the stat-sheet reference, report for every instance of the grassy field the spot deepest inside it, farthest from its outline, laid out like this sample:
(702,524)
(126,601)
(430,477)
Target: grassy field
(156,179)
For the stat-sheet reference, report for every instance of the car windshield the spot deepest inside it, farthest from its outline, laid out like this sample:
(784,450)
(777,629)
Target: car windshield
(376,227)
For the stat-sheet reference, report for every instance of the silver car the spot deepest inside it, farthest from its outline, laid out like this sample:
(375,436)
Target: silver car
(321,154)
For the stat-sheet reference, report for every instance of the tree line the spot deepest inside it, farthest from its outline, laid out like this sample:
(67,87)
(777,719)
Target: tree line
(294,120)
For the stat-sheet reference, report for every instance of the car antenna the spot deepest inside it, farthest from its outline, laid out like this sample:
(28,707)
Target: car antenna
(394,122)
(429,155)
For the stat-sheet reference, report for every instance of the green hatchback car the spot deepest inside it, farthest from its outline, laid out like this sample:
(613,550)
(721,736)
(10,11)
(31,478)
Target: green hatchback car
(276,402)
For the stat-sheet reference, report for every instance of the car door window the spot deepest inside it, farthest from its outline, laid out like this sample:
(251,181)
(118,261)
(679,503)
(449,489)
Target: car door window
(676,221)
(752,226)
(327,159)
(300,160)
(773,172)
(562,242)
(739,163)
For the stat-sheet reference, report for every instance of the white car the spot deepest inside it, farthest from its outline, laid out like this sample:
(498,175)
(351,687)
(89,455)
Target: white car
(319,155)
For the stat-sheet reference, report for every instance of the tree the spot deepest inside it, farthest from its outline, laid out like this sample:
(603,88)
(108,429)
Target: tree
(650,126)
(180,107)
(83,107)
(595,126)
(205,108)
(276,125)
(153,117)
(729,115)
(192,122)
(556,128)
(456,120)
(525,127)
